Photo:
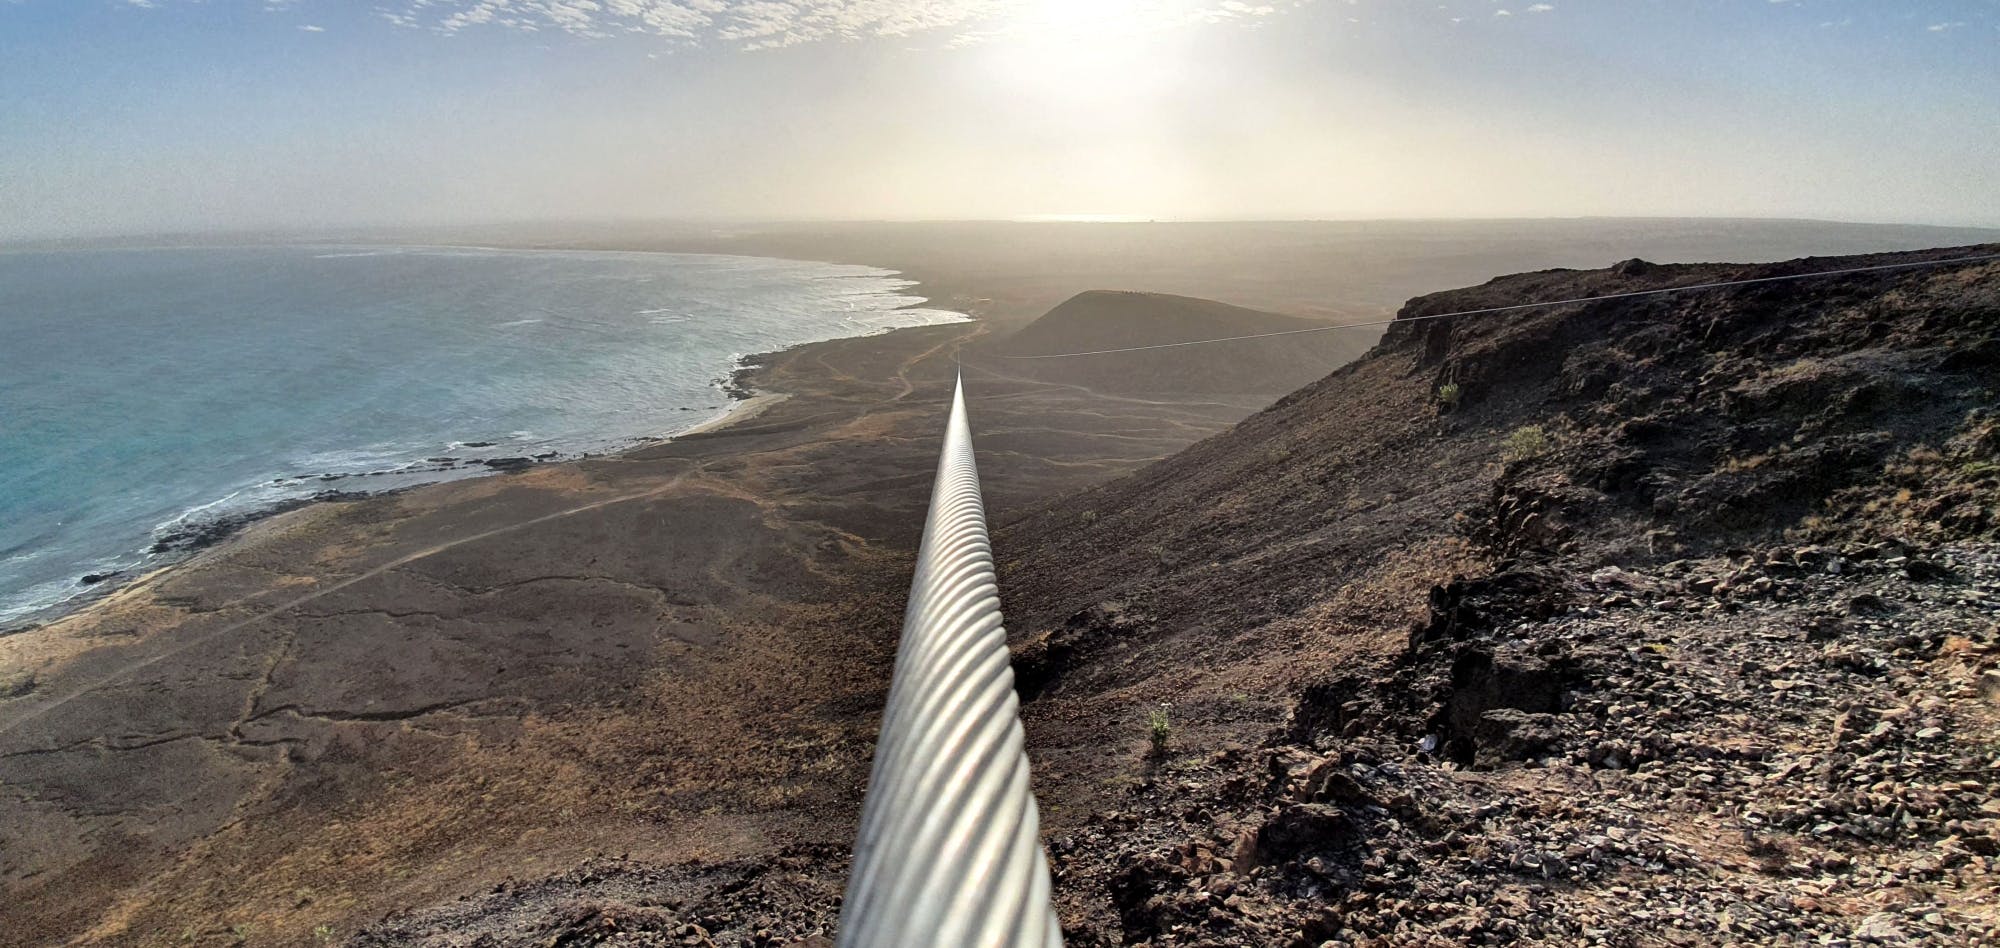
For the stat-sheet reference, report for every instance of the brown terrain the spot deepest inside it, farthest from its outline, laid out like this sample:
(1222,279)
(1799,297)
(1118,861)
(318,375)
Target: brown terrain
(1103,321)
(1706,643)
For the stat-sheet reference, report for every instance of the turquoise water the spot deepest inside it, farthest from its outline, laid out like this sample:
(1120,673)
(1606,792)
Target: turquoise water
(144,392)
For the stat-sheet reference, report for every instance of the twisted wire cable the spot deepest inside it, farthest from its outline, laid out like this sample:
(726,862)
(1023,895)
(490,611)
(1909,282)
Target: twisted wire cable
(950,850)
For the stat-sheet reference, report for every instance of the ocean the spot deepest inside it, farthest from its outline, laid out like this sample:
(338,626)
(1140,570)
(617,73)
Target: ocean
(147,393)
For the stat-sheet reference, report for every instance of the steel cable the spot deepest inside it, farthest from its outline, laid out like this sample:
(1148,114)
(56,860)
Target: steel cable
(950,849)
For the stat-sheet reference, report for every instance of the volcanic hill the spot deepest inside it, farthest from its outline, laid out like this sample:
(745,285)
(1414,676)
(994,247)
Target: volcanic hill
(1103,319)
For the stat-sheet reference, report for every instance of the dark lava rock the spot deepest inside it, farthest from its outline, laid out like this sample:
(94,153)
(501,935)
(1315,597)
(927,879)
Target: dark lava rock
(1301,828)
(1869,604)
(1329,782)
(1925,571)
(1040,663)
(1327,707)
(1481,682)
(1507,734)
(190,537)
(1468,607)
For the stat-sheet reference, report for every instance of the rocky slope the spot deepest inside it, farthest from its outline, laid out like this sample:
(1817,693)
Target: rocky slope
(1102,319)
(1668,620)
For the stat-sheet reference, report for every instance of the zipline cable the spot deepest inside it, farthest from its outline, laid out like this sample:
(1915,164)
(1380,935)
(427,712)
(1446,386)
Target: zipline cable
(950,847)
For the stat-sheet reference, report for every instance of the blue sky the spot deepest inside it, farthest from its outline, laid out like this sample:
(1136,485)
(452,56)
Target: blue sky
(168,115)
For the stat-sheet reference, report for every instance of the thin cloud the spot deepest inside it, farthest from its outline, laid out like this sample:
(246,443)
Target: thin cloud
(757,24)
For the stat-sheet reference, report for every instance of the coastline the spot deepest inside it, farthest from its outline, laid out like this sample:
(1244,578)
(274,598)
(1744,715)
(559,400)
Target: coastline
(174,548)
(745,403)
(738,412)
(134,589)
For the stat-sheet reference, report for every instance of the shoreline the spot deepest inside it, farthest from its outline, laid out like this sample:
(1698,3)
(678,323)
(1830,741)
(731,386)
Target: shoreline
(745,403)
(739,411)
(171,550)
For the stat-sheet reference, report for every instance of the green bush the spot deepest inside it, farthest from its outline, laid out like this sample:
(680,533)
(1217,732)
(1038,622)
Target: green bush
(1448,395)
(1527,441)
(1159,729)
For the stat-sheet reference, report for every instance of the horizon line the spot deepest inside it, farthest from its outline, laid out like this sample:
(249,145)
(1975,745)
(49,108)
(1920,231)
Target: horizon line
(314,233)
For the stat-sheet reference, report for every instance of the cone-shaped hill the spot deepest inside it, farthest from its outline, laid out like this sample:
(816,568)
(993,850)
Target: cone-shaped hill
(1102,319)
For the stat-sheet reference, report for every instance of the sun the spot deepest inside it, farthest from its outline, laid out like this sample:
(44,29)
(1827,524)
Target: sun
(1084,53)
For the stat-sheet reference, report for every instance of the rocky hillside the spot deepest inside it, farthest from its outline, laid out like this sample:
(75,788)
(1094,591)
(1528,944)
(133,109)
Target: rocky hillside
(1658,621)
(1103,319)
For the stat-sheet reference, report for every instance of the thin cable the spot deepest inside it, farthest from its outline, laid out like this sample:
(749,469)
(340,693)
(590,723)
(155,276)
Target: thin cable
(1517,306)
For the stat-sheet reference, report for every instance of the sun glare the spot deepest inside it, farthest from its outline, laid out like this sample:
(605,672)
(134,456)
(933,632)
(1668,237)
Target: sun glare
(1085,53)
(1088,16)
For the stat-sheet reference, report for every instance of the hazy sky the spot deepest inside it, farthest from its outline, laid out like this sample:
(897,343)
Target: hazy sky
(121,116)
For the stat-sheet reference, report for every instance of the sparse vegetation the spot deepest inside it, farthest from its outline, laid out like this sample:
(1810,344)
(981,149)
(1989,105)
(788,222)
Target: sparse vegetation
(1159,729)
(1088,517)
(1527,441)
(1448,395)
(323,933)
